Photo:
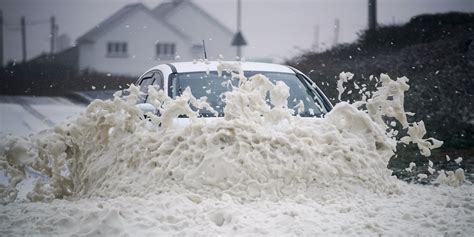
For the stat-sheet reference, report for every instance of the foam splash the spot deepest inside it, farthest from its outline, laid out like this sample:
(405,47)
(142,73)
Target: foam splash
(258,149)
(112,172)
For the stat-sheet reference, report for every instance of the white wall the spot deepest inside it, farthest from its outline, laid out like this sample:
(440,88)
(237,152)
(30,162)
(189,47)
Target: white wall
(218,41)
(86,56)
(141,31)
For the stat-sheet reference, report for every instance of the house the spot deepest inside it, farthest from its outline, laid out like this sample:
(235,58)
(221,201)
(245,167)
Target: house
(136,38)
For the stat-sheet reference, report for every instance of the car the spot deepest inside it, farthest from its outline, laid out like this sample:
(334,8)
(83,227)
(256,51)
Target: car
(204,80)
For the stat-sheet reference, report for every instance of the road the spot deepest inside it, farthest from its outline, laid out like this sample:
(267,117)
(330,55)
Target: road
(22,115)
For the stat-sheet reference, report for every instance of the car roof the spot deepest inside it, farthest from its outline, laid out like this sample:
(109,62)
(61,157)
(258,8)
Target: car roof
(183,67)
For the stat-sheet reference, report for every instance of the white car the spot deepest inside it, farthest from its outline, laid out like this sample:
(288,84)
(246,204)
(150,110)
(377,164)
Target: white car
(203,80)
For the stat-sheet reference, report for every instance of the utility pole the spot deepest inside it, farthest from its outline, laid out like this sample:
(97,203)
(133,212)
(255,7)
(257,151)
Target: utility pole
(56,38)
(239,39)
(1,38)
(336,31)
(53,34)
(316,38)
(372,14)
(23,38)
(239,25)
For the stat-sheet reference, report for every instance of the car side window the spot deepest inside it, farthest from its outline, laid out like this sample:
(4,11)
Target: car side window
(158,79)
(144,82)
(319,97)
(147,75)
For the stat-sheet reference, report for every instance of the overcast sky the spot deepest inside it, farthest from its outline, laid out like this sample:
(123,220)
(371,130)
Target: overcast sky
(276,29)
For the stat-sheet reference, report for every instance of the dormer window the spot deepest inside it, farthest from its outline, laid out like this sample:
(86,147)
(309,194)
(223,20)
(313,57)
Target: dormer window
(165,50)
(117,49)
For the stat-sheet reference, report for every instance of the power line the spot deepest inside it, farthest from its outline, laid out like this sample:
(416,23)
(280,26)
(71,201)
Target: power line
(29,23)
(38,22)
(22,28)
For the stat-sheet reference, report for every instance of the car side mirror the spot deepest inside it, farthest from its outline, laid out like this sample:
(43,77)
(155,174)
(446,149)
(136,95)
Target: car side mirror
(146,108)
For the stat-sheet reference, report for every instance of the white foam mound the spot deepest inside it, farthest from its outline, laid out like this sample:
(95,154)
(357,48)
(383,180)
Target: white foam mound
(257,150)
(257,153)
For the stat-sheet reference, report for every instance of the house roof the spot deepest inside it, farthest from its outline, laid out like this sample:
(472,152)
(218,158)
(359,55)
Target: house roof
(165,8)
(108,22)
(118,17)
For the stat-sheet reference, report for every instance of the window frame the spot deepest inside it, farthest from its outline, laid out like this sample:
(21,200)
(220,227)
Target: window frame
(116,49)
(165,50)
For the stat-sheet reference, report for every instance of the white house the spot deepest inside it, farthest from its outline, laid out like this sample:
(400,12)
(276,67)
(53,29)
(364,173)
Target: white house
(136,38)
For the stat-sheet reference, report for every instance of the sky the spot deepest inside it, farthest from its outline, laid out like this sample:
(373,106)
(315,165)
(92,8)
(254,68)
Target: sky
(274,29)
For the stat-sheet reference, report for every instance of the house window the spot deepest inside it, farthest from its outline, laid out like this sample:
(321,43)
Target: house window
(164,50)
(117,49)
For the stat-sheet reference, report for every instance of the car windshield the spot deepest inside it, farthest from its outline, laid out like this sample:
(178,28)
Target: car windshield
(213,87)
